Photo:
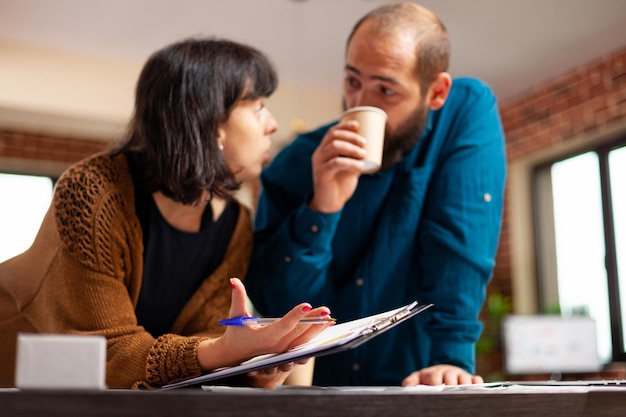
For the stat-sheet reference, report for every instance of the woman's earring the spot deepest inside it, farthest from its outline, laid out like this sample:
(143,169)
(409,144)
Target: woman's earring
(221,147)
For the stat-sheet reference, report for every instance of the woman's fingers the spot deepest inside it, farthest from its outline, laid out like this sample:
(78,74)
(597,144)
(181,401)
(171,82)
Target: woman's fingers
(309,333)
(238,298)
(302,333)
(289,331)
(292,320)
(283,367)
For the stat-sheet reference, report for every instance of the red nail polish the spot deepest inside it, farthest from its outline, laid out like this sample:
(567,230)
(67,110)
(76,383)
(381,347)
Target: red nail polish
(324,313)
(306,309)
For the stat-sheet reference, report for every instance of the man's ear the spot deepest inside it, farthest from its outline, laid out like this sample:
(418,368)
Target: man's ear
(439,90)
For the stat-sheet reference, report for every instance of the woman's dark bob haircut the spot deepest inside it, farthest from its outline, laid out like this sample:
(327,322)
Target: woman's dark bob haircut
(184,92)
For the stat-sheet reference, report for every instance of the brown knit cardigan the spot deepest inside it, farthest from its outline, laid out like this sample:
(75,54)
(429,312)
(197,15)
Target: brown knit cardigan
(82,275)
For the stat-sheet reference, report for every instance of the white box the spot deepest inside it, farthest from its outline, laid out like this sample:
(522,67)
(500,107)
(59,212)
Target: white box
(60,362)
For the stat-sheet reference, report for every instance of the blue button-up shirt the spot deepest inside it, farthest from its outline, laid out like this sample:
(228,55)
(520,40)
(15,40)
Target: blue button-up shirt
(426,229)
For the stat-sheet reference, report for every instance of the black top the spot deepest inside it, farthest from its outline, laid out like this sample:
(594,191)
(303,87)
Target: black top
(176,262)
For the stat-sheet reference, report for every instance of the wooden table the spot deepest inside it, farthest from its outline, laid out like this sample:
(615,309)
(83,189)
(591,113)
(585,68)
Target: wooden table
(191,402)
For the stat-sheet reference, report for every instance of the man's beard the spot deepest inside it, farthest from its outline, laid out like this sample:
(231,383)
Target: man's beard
(405,137)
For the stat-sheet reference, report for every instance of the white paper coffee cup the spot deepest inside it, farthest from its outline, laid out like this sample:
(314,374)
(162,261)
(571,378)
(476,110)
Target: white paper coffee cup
(372,121)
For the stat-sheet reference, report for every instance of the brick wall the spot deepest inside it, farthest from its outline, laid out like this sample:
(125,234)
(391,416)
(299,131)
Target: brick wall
(34,148)
(589,98)
(586,100)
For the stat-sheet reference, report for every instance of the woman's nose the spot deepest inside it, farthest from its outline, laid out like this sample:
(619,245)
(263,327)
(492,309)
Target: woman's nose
(271,126)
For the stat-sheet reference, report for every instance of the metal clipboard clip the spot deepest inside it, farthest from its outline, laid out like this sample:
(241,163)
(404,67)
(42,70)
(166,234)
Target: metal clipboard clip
(385,322)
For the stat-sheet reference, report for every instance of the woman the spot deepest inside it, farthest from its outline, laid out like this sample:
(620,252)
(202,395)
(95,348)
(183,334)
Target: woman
(139,242)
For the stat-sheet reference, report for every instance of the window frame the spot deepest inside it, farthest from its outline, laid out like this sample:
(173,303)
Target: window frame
(545,241)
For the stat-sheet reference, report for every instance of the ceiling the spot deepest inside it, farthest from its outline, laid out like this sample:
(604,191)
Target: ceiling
(512,44)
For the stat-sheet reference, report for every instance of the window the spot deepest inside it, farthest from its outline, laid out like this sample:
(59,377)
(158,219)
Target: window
(25,200)
(580,229)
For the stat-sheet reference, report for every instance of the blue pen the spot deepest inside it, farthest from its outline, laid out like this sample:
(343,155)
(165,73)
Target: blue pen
(263,321)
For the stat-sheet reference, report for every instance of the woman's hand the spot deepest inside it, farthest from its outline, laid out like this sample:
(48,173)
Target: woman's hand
(240,343)
(270,377)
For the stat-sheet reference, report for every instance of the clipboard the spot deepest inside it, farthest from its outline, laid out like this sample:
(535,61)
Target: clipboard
(333,339)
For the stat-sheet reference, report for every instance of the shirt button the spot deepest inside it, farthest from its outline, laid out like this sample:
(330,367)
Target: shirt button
(487,197)
(359,282)
(356,366)
(314,228)
(287,259)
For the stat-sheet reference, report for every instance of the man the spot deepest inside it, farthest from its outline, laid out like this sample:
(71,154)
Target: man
(424,228)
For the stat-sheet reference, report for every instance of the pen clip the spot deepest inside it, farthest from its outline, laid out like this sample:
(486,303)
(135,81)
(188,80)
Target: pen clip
(237,321)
